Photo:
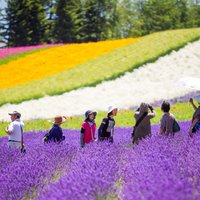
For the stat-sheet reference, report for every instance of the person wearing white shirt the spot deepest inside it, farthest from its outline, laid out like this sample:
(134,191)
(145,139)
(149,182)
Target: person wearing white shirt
(15,131)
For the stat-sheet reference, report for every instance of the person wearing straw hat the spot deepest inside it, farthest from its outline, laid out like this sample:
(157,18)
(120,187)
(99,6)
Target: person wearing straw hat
(88,128)
(15,131)
(56,134)
(196,117)
(106,129)
(143,124)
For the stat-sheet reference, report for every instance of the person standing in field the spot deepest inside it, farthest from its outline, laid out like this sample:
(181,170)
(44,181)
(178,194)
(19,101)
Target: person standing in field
(88,128)
(106,129)
(168,123)
(56,133)
(15,131)
(142,127)
(196,117)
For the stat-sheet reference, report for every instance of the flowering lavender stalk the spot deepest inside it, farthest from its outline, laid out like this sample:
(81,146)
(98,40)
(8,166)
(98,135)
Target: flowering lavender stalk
(23,174)
(159,167)
(163,167)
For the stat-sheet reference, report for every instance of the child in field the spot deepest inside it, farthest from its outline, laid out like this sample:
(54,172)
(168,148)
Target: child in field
(56,134)
(106,129)
(88,128)
(168,122)
(196,117)
(143,124)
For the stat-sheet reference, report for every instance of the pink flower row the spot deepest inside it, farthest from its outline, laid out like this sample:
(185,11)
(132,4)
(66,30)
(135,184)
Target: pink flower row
(5,52)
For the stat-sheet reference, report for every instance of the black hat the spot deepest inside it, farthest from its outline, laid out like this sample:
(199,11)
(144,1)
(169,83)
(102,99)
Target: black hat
(89,112)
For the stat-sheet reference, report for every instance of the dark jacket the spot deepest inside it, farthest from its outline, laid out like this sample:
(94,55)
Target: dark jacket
(106,127)
(55,134)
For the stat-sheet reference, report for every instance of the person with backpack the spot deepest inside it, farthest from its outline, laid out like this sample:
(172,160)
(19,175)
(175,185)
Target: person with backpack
(168,123)
(15,131)
(142,127)
(88,128)
(106,129)
(56,134)
(195,118)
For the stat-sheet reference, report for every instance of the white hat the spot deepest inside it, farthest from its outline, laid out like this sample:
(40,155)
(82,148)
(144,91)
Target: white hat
(111,108)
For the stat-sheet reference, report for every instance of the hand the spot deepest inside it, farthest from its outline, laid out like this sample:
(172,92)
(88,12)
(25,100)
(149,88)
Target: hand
(191,100)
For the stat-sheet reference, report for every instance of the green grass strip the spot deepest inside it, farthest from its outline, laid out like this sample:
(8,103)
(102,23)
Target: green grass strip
(106,67)
(182,112)
(22,54)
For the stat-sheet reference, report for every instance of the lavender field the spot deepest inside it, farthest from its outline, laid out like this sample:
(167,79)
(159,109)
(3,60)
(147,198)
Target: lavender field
(158,168)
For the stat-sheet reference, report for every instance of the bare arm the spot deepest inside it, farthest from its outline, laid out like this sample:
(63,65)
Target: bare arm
(9,132)
(192,103)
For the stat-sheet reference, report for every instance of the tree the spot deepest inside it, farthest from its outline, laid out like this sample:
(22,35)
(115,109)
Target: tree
(68,22)
(130,23)
(100,19)
(158,15)
(26,22)
(193,17)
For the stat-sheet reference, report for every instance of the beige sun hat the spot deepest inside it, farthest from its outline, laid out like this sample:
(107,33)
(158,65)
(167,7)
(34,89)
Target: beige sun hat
(59,119)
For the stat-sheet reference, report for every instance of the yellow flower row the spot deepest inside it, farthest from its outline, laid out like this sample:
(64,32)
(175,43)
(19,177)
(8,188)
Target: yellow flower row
(54,60)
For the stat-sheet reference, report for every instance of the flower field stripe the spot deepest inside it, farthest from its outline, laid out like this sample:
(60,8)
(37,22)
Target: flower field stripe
(14,57)
(124,118)
(106,67)
(54,60)
(126,92)
(159,167)
(10,51)
(24,175)
(92,174)
(163,168)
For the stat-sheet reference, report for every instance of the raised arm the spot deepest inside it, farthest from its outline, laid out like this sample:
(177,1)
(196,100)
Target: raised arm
(153,113)
(192,103)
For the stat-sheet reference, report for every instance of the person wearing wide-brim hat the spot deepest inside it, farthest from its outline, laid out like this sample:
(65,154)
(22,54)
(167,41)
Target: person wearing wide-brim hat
(56,134)
(15,131)
(195,126)
(88,128)
(106,129)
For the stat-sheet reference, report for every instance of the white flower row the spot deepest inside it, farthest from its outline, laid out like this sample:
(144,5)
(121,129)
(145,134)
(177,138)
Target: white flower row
(149,83)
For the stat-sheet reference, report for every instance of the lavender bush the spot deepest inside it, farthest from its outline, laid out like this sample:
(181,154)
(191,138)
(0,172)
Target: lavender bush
(158,168)
(21,175)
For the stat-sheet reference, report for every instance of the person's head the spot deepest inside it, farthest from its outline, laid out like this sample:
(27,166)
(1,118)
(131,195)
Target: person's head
(58,120)
(144,108)
(14,115)
(165,107)
(112,110)
(90,115)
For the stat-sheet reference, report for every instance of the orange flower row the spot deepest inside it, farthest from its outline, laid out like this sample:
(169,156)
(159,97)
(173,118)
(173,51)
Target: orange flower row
(54,60)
